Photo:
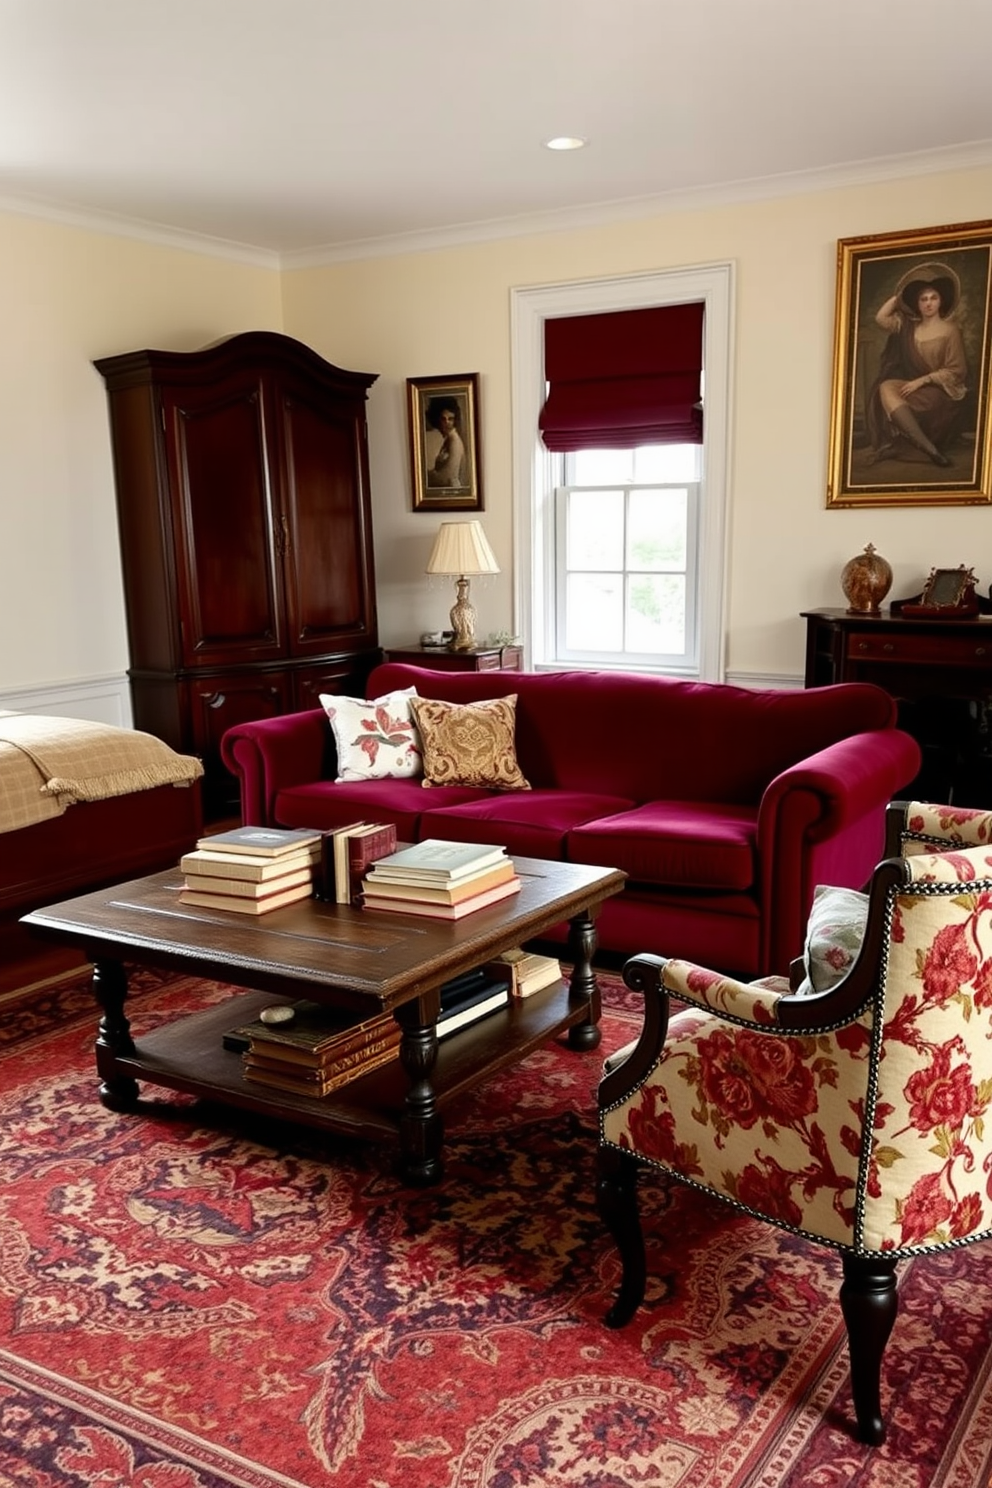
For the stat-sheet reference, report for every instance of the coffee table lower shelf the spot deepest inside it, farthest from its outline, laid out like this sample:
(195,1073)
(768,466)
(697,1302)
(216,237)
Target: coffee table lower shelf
(188,1055)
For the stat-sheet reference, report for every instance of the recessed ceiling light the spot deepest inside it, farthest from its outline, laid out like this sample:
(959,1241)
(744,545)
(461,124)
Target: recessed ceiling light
(565,142)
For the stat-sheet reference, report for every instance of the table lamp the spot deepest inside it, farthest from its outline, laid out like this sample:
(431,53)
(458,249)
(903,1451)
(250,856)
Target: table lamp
(461,549)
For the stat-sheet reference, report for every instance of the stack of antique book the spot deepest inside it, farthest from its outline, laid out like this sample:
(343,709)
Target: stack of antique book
(444,880)
(528,971)
(316,1049)
(471,997)
(251,870)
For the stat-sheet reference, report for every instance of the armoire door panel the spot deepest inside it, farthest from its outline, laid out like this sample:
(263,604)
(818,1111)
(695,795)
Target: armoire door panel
(216,704)
(229,568)
(327,574)
(343,676)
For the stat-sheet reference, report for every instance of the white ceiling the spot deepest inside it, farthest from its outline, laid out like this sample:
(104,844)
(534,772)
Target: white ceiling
(312,129)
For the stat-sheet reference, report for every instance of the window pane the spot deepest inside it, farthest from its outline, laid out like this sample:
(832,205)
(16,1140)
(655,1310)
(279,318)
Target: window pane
(600,467)
(595,530)
(656,613)
(595,612)
(667,462)
(657,529)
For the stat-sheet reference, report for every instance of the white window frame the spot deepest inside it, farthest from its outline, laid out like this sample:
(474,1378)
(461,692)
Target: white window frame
(536,471)
(686,662)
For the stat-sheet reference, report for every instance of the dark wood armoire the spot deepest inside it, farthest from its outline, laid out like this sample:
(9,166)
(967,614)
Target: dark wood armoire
(246,536)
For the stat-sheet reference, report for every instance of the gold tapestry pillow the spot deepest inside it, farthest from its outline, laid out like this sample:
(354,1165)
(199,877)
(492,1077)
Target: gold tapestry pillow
(469,743)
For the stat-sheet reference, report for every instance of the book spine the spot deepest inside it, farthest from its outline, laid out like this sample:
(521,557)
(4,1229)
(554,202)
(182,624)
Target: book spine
(362,853)
(326,1058)
(342,1074)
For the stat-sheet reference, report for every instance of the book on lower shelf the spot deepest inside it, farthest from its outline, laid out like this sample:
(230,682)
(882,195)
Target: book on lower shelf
(237,904)
(529,972)
(262,842)
(314,1035)
(319,1082)
(497,996)
(472,996)
(456,911)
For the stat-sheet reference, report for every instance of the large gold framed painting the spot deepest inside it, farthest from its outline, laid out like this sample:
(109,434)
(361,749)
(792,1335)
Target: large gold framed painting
(909,418)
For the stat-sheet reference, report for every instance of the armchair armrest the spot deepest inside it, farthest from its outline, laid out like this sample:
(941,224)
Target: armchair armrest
(659,979)
(822,821)
(919,827)
(269,754)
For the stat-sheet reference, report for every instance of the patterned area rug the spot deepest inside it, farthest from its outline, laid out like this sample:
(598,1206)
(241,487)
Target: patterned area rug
(190,1300)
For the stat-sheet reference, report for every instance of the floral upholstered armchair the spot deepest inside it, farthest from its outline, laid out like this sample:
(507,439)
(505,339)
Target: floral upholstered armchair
(848,1104)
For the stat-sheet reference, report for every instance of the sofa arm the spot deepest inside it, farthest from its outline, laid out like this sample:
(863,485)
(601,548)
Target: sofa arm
(269,754)
(823,821)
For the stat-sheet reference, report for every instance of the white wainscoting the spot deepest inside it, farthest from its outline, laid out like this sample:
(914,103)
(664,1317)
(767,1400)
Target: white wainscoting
(775,683)
(99,699)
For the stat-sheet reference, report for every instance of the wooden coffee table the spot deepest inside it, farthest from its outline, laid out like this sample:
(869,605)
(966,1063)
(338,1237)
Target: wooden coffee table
(349,958)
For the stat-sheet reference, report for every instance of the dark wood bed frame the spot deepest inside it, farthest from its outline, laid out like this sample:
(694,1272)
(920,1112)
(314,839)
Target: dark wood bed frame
(92,844)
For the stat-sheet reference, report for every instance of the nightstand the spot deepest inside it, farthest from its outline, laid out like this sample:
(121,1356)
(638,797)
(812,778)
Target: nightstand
(440,659)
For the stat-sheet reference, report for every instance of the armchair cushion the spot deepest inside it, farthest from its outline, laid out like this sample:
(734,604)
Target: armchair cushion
(834,933)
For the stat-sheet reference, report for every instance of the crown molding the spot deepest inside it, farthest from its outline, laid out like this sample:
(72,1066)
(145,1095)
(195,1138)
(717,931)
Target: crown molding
(972,156)
(113,225)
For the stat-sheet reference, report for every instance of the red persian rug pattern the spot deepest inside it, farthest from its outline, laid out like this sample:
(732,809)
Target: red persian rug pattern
(190,1299)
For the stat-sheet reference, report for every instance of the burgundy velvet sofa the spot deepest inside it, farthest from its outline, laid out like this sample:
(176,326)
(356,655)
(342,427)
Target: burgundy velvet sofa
(724,806)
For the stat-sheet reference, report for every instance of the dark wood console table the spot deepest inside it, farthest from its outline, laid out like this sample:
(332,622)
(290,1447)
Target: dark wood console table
(939,671)
(479,659)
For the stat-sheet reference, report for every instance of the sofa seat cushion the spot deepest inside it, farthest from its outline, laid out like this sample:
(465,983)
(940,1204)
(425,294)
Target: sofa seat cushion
(326,804)
(532,823)
(688,844)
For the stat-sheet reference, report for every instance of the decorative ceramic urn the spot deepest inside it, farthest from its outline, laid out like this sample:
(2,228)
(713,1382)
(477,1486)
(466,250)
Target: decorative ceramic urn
(866,580)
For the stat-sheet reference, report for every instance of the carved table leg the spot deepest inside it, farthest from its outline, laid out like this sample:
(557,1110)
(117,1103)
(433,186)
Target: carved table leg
(117,1092)
(421,1128)
(583,988)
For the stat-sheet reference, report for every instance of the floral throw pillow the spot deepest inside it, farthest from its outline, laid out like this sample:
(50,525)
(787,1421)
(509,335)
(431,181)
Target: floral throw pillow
(469,743)
(376,738)
(834,933)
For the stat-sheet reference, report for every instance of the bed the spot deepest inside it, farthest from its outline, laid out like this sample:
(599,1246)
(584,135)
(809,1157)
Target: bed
(83,805)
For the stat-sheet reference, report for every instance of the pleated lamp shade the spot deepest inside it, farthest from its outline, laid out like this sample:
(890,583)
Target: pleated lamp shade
(461,549)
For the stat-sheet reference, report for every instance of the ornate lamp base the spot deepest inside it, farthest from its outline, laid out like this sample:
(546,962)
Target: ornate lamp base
(462,619)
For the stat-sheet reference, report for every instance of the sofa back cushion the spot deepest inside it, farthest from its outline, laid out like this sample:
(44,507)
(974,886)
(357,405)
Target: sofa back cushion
(646,737)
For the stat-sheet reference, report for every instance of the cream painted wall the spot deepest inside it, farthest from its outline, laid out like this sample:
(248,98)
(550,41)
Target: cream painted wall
(68,296)
(449,311)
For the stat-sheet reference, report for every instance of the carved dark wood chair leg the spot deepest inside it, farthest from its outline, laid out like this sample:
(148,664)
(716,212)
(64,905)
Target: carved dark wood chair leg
(616,1194)
(869,1300)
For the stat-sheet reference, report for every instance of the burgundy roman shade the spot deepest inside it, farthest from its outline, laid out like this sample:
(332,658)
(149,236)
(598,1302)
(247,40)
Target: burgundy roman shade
(624,378)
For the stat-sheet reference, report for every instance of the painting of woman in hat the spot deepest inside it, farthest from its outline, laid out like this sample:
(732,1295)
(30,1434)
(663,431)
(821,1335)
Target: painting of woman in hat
(910,409)
(918,396)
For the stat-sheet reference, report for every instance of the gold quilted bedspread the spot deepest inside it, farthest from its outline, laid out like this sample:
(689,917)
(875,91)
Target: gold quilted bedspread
(47,764)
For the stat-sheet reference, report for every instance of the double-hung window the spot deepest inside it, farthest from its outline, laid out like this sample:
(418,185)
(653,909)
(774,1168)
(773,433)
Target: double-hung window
(626,557)
(620,554)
